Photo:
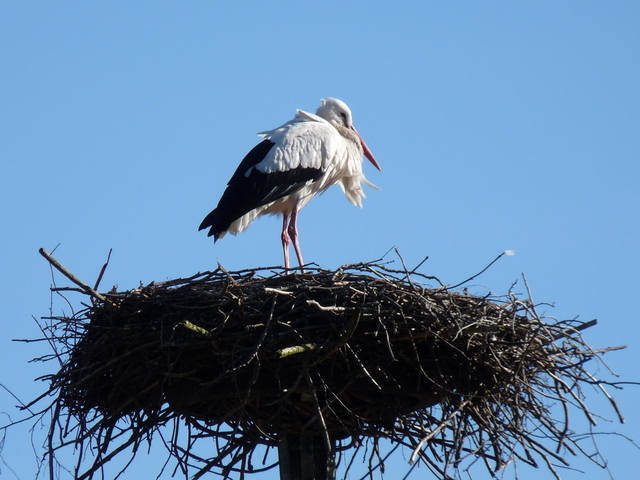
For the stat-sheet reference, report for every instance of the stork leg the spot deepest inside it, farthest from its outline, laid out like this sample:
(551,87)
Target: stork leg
(285,241)
(293,234)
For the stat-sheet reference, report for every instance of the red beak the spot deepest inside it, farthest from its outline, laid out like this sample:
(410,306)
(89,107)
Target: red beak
(367,152)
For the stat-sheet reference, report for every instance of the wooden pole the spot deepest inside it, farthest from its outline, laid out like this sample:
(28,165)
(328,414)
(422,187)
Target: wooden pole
(305,457)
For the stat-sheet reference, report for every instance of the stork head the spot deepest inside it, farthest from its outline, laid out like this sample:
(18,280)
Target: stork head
(339,115)
(335,112)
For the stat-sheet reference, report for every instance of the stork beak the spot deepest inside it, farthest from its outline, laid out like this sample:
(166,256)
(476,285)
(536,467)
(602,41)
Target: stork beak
(367,152)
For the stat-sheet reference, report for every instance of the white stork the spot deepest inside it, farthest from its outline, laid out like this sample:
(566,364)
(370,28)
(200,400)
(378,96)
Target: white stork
(303,157)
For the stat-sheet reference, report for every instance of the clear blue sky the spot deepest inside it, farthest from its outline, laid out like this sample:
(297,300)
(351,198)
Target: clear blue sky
(498,125)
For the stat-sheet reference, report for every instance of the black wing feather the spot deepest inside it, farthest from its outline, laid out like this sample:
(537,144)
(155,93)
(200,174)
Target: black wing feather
(246,192)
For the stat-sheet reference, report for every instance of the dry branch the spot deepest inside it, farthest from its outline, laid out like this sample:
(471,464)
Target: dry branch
(354,355)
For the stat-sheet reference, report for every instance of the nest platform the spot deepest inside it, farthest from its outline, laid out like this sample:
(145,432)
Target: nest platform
(354,355)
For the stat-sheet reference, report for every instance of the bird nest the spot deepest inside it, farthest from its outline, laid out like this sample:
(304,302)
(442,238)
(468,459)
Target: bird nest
(350,356)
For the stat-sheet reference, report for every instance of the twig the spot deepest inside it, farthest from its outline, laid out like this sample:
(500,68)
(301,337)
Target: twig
(194,328)
(404,265)
(435,431)
(316,405)
(102,270)
(479,273)
(285,352)
(71,276)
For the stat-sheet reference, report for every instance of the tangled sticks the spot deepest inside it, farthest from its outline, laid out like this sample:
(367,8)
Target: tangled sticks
(354,355)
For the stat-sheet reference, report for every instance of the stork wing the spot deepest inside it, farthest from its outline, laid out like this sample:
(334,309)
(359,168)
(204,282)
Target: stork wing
(292,156)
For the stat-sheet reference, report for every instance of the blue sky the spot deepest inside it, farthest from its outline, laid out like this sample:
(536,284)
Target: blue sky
(498,125)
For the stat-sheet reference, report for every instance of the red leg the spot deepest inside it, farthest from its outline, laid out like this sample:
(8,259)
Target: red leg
(285,241)
(293,233)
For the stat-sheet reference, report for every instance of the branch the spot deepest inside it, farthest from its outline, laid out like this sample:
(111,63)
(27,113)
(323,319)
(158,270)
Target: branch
(90,291)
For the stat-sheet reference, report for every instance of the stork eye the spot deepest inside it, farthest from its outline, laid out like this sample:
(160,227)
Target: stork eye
(344,117)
